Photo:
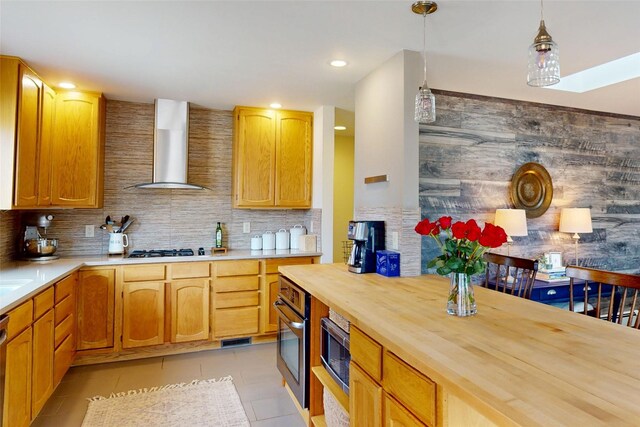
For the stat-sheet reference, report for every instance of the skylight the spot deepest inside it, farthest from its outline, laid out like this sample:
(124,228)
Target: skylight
(612,72)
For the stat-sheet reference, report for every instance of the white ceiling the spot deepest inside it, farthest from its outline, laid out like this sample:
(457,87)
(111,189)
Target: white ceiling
(219,54)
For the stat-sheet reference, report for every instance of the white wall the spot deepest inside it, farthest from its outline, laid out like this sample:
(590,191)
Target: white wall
(386,142)
(322,197)
(386,136)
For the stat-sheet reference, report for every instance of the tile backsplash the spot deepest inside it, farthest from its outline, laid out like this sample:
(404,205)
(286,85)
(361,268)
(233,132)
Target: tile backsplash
(164,218)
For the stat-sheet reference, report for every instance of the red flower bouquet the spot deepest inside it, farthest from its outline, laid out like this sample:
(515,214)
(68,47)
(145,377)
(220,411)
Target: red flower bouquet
(463,246)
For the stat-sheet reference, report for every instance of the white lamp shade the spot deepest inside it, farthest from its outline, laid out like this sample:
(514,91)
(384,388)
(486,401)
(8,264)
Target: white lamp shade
(575,220)
(513,221)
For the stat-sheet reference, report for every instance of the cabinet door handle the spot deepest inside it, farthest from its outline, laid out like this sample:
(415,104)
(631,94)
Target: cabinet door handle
(551,292)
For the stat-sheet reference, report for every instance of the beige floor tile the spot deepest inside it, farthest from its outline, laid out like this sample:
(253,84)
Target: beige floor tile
(52,406)
(260,375)
(249,411)
(257,391)
(286,421)
(273,407)
(253,368)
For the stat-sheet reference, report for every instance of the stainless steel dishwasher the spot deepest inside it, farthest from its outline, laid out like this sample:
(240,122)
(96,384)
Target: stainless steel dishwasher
(4,320)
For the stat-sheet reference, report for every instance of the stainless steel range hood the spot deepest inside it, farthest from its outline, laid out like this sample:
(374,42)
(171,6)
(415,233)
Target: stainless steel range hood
(171,146)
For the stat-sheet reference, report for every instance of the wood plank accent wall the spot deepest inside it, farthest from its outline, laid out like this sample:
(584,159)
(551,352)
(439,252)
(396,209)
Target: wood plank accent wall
(468,156)
(165,218)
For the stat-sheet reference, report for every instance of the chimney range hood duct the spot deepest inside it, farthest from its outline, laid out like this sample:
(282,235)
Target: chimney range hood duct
(171,146)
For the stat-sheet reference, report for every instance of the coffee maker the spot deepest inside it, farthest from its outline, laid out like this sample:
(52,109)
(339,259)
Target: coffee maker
(368,237)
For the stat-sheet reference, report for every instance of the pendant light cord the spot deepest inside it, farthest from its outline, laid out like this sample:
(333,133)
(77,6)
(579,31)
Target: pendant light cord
(541,11)
(424,48)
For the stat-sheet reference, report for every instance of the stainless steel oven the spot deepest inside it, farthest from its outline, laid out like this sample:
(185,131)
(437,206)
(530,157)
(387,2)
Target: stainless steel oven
(293,306)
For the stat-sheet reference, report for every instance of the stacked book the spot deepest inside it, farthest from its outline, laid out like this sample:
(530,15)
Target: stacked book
(556,274)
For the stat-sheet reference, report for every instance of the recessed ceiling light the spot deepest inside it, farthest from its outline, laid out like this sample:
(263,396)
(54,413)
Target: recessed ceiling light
(338,63)
(275,105)
(67,85)
(612,72)
(340,127)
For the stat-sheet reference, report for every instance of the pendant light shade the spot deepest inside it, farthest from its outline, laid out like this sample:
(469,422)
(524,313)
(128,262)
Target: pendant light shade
(425,105)
(425,111)
(544,58)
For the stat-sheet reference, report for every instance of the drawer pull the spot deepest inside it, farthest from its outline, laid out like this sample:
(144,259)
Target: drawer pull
(551,292)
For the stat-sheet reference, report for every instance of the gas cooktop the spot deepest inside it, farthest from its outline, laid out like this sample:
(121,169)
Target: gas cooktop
(154,253)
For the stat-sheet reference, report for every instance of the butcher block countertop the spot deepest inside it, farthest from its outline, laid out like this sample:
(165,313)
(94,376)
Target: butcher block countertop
(517,361)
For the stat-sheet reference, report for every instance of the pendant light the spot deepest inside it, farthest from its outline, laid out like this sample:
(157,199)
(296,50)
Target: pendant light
(544,58)
(425,101)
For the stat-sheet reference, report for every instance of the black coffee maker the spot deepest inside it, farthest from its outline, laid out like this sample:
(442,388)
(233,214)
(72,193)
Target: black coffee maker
(368,237)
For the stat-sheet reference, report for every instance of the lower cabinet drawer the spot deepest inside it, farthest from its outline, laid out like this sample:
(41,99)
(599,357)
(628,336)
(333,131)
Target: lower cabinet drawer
(237,299)
(64,329)
(394,414)
(64,287)
(415,391)
(20,318)
(63,358)
(367,353)
(140,273)
(65,308)
(230,322)
(42,303)
(234,284)
(236,268)
(189,270)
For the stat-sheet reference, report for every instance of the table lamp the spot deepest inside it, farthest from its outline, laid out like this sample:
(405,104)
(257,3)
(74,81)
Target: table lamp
(514,223)
(575,220)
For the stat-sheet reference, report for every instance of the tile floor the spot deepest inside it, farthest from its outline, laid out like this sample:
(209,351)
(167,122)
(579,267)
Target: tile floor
(253,368)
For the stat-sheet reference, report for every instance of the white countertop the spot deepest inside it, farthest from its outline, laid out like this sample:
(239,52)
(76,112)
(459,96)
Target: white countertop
(21,280)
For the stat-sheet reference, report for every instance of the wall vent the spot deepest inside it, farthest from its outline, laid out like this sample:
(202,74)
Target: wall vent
(235,342)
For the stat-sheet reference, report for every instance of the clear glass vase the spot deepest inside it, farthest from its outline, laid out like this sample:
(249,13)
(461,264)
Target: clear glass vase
(461,300)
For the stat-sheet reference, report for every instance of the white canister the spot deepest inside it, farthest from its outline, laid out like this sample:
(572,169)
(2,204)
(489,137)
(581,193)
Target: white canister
(117,243)
(256,243)
(297,231)
(282,239)
(268,241)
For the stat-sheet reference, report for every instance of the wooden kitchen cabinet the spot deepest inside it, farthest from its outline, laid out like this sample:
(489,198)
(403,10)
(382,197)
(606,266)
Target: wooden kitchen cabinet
(270,294)
(189,310)
(43,354)
(27,138)
(65,325)
(51,145)
(396,415)
(17,393)
(143,314)
(20,110)
(96,302)
(77,150)
(164,303)
(235,310)
(410,398)
(365,399)
(40,350)
(272,158)
(46,137)
(294,139)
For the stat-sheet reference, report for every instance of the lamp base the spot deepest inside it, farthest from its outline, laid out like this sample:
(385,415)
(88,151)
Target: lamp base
(576,238)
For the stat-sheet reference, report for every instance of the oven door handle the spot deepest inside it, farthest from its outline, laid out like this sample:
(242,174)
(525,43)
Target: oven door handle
(285,318)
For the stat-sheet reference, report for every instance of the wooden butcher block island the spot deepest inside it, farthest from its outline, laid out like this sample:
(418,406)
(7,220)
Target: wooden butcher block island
(516,362)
